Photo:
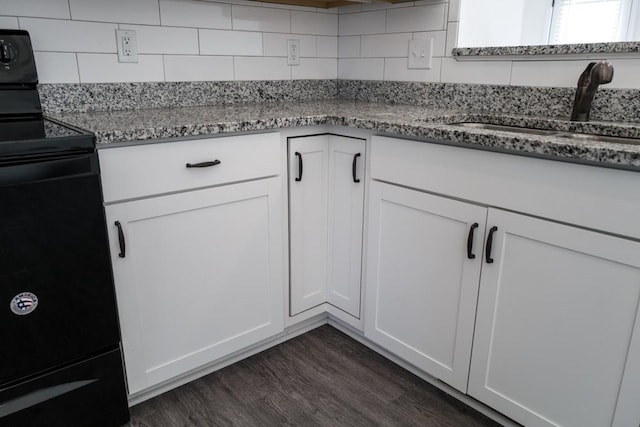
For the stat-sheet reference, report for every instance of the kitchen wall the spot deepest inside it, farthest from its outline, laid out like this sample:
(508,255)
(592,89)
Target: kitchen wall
(373,45)
(193,40)
(178,40)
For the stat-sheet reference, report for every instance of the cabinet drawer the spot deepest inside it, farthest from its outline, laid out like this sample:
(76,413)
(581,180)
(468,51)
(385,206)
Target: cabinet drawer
(144,170)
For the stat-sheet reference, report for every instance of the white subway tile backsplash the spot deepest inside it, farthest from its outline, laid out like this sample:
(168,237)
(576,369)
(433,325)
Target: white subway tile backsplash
(151,39)
(366,7)
(349,47)
(289,7)
(105,68)
(315,68)
(200,14)
(238,2)
(314,23)
(327,47)
(361,68)
(195,40)
(122,11)
(439,41)
(179,68)
(547,73)
(454,11)
(423,18)
(9,22)
(261,68)
(352,8)
(385,45)
(396,69)
(36,8)
(481,72)
(426,2)
(261,19)
(70,36)
(55,67)
(362,23)
(222,42)
(625,76)
(452,38)
(275,44)
(332,11)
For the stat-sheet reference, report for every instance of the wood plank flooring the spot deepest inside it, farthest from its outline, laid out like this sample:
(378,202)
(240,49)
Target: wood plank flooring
(322,378)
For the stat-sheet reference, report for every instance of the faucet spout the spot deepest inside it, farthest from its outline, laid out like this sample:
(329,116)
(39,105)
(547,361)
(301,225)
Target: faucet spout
(594,75)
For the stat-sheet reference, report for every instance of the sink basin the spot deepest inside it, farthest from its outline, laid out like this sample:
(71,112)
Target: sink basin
(504,128)
(548,132)
(603,138)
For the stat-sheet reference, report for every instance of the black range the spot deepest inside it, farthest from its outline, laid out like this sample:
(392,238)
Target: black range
(60,360)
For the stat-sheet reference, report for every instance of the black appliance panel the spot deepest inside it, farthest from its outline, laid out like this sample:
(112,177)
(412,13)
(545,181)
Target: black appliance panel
(78,395)
(54,247)
(26,137)
(17,64)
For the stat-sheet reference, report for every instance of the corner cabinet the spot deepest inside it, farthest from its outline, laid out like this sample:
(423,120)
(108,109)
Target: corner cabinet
(556,338)
(326,208)
(198,267)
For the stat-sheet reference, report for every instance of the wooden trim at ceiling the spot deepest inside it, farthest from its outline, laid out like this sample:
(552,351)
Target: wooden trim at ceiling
(326,4)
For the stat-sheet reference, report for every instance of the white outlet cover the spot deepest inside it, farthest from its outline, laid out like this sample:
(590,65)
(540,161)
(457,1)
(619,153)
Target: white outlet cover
(293,52)
(127,46)
(420,53)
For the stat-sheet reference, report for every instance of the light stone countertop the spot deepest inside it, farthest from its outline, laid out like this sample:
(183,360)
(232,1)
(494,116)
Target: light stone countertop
(391,119)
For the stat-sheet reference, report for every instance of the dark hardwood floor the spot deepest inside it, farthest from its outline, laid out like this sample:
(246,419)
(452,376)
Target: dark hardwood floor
(322,378)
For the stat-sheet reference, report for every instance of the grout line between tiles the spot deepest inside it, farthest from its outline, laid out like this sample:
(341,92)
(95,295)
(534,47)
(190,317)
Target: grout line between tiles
(78,68)
(164,69)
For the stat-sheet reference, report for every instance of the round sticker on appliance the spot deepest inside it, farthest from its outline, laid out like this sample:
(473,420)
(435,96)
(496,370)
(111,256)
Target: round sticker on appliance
(24,303)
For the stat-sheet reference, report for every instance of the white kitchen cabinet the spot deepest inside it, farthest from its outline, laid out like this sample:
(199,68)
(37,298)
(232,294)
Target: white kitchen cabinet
(198,274)
(424,262)
(326,205)
(557,330)
(346,211)
(308,170)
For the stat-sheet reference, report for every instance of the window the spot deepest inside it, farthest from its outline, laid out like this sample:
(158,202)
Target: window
(591,21)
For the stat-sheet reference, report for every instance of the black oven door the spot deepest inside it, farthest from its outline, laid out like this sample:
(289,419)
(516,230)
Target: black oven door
(57,302)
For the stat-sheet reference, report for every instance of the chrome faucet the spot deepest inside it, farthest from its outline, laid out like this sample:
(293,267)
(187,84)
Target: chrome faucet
(594,75)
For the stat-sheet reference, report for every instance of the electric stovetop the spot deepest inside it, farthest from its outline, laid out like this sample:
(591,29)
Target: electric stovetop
(27,137)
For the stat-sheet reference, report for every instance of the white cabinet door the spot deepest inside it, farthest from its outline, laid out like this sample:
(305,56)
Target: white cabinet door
(346,211)
(557,331)
(201,277)
(308,168)
(422,285)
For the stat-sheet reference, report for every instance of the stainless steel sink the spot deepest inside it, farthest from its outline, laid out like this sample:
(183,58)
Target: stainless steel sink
(548,132)
(603,138)
(504,128)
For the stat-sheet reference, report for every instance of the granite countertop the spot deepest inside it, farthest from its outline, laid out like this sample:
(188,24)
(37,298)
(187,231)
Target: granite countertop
(396,119)
(557,49)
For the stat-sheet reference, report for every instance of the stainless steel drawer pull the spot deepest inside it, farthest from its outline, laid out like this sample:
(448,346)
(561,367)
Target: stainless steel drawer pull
(204,164)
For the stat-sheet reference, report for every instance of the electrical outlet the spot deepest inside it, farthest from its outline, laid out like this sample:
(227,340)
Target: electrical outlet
(127,46)
(420,53)
(293,52)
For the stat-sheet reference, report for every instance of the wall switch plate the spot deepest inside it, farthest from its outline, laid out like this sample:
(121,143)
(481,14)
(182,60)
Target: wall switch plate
(293,52)
(420,53)
(127,46)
